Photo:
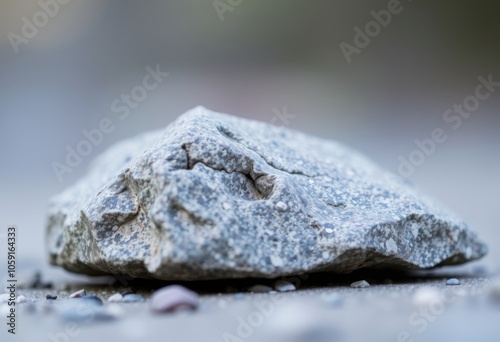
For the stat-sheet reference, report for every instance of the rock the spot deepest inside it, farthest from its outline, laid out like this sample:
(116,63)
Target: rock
(284,286)
(214,196)
(360,284)
(117,297)
(78,294)
(260,288)
(50,297)
(133,298)
(453,281)
(171,298)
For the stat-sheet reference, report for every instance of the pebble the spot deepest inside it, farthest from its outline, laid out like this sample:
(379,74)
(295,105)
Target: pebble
(51,297)
(117,297)
(92,299)
(284,286)
(360,284)
(78,294)
(133,298)
(21,299)
(453,281)
(174,297)
(260,288)
(281,206)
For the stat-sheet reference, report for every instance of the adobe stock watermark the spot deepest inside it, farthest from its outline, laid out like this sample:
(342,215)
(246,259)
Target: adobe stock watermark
(223,6)
(282,116)
(363,37)
(264,309)
(453,116)
(431,304)
(31,26)
(121,107)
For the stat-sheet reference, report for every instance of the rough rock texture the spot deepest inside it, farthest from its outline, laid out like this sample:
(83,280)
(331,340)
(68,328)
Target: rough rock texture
(215,196)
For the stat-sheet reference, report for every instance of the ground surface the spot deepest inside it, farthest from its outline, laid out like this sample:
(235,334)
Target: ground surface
(324,308)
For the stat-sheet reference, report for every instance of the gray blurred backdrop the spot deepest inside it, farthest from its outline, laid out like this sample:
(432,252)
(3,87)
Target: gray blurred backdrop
(263,56)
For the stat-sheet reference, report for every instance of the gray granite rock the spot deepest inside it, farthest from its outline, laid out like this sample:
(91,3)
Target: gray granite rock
(216,196)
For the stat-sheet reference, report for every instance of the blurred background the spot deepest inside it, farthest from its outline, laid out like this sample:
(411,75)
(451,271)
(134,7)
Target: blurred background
(254,59)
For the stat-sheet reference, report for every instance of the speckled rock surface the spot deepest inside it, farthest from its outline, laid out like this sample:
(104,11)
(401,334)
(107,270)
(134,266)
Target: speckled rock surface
(216,196)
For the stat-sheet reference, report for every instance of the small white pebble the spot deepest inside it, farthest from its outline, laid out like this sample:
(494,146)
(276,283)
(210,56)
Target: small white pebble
(78,294)
(453,281)
(133,298)
(360,284)
(276,261)
(226,206)
(115,228)
(21,299)
(117,297)
(281,206)
(284,286)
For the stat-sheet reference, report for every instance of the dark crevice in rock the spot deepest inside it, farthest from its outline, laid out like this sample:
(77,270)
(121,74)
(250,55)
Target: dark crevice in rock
(256,180)
(189,165)
(271,164)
